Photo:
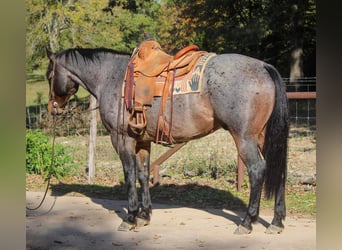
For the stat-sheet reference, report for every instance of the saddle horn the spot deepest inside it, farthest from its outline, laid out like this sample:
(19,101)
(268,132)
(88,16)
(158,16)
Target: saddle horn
(147,36)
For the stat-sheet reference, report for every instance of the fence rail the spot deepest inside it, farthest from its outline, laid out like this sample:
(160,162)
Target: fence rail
(76,121)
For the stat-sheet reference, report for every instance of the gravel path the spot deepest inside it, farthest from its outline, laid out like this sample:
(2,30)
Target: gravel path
(66,222)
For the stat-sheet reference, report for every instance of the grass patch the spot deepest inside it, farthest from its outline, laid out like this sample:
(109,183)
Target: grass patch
(201,188)
(302,202)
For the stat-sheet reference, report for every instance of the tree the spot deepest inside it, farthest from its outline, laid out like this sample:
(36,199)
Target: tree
(265,29)
(296,70)
(62,24)
(94,23)
(270,30)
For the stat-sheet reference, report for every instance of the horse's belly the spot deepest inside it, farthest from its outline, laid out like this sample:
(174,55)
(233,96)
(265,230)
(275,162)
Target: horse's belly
(187,126)
(192,117)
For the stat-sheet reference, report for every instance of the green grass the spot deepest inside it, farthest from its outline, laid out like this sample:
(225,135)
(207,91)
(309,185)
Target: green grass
(199,190)
(302,202)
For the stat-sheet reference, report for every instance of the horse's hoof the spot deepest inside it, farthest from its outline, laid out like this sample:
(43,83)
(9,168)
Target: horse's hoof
(272,229)
(125,226)
(141,222)
(242,230)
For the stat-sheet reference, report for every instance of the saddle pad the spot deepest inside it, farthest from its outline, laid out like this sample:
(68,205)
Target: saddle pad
(191,82)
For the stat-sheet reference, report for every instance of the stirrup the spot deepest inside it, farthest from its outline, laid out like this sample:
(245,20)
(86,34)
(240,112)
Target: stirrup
(139,123)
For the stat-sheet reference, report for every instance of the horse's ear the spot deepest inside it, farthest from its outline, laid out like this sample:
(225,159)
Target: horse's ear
(49,53)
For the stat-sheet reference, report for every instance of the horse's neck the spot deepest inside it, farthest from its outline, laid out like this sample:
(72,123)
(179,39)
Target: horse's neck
(105,85)
(105,80)
(87,75)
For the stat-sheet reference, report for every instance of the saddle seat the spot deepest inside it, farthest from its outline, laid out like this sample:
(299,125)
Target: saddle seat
(149,63)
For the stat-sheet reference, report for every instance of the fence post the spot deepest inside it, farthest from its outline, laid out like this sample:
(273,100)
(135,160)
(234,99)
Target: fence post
(92,140)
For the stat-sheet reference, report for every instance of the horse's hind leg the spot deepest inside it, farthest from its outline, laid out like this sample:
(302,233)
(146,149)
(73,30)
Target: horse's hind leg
(143,163)
(277,225)
(249,153)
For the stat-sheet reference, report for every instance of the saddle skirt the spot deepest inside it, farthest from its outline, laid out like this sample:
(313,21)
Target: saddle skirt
(154,73)
(190,82)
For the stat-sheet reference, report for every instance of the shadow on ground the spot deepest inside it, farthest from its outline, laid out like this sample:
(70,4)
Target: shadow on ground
(192,195)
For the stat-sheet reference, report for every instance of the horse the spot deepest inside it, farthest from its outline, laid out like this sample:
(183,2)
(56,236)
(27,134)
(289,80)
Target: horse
(240,94)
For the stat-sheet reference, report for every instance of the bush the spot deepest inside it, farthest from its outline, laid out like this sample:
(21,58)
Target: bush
(39,155)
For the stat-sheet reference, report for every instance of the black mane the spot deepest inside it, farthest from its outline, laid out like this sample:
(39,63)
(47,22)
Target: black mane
(87,54)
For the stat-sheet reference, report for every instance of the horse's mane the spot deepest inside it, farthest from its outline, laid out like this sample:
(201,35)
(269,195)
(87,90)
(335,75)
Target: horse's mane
(87,54)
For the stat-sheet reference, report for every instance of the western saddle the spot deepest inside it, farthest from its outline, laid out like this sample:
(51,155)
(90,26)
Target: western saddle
(149,63)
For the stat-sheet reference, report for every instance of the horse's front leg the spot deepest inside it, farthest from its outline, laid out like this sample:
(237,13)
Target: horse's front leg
(143,166)
(128,158)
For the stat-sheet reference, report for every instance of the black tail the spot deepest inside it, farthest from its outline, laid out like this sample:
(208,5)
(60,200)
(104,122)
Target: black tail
(276,140)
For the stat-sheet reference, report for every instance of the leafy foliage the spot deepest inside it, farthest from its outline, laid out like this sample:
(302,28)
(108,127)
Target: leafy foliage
(94,23)
(266,29)
(39,156)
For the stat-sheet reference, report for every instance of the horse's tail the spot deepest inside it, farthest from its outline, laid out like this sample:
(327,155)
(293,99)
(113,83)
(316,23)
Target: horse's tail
(276,139)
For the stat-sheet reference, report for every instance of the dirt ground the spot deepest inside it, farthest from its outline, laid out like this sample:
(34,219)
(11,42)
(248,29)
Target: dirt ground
(66,222)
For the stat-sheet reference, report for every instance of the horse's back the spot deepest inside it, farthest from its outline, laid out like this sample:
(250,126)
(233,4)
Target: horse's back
(235,68)
(240,89)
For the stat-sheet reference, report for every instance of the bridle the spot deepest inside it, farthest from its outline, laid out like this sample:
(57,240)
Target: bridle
(52,95)
(54,121)
(52,81)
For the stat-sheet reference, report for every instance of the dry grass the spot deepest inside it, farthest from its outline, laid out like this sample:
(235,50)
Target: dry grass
(215,150)
(204,171)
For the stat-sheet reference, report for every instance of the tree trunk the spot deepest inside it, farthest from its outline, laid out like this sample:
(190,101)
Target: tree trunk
(296,65)
(296,70)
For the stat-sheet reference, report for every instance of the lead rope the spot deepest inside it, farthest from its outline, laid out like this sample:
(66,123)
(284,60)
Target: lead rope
(52,160)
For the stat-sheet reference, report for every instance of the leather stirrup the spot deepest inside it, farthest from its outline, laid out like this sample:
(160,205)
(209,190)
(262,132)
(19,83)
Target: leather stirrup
(137,120)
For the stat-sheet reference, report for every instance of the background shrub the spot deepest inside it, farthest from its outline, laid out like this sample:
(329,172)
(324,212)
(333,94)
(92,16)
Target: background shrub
(39,156)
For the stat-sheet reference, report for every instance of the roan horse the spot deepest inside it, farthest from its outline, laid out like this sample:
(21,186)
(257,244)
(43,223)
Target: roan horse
(240,94)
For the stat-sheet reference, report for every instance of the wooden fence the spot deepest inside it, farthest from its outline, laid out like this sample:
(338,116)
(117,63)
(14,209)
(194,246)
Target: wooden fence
(302,105)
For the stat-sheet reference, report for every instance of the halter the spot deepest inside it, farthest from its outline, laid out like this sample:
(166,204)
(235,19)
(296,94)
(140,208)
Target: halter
(72,77)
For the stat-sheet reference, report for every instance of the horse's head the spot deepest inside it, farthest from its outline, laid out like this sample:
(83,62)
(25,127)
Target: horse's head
(62,83)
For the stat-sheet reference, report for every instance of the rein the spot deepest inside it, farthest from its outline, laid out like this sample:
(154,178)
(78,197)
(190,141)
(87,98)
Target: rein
(54,122)
(54,114)
(52,161)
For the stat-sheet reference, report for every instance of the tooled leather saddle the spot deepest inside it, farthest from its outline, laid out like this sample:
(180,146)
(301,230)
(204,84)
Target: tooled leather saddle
(148,65)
